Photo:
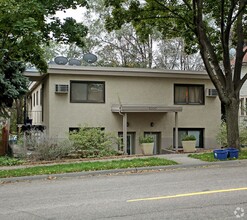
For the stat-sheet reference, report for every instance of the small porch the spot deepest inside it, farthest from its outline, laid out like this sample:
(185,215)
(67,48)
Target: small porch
(125,109)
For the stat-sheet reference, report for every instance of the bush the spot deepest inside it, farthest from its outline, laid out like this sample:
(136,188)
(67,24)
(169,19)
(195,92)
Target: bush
(92,142)
(8,161)
(52,148)
(36,145)
(146,139)
(221,136)
(188,138)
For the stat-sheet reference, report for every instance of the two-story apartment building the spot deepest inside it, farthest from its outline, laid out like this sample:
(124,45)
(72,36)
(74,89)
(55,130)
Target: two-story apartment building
(128,102)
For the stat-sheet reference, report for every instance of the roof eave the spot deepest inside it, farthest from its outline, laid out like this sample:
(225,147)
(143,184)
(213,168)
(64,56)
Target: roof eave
(152,108)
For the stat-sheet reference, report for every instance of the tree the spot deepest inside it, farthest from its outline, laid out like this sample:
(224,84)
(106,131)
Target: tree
(170,55)
(124,47)
(212,27)
(26,25)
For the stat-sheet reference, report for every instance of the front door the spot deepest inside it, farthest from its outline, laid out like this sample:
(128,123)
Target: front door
(156,136)
(130,142)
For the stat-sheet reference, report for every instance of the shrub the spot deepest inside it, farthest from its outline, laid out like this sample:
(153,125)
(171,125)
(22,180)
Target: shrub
(8,161)
(52,148)
(221,136)
(243,135)
(93,142)
(146,139)
(188,138)
(36,145)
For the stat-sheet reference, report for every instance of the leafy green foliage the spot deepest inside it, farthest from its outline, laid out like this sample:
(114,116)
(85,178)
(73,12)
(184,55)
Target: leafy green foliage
(26,25)
(221,136)
(209,27)
(92,142)
(188,138)
(146,139)
(12,83)
(8,161)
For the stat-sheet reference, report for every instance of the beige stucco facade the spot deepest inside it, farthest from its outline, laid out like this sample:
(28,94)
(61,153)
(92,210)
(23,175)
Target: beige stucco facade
(125,86)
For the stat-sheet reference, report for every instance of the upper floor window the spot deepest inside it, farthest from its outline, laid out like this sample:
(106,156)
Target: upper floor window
(85,91)
(188,94)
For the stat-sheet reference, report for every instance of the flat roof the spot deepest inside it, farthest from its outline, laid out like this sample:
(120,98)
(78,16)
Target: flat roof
(55,69)
(125,108)
(33,74)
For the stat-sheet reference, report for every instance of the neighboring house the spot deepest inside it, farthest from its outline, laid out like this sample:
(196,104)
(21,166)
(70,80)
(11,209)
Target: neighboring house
(243,95)
(128,102)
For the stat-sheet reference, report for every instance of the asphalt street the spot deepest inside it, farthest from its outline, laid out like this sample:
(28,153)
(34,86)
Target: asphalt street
(207,192)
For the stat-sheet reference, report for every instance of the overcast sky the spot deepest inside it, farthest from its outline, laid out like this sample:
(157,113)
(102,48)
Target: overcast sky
(76,14)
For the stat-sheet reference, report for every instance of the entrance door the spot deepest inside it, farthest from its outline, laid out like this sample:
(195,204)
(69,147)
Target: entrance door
(156,136)
(130,142)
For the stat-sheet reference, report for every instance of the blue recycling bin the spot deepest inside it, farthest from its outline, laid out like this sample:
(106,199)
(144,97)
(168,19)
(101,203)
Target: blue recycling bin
(220,154)
(232,153)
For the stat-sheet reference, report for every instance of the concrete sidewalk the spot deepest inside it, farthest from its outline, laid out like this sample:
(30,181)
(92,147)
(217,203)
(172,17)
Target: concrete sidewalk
(182,159)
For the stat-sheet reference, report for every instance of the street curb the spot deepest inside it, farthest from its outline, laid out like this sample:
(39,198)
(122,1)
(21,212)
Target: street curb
(122,171)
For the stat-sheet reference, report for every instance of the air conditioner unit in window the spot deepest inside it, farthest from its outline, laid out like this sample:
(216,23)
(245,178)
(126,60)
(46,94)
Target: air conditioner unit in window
(211,92)
(61,88)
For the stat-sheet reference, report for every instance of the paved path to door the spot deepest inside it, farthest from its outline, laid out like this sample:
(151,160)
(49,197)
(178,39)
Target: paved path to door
(182,159)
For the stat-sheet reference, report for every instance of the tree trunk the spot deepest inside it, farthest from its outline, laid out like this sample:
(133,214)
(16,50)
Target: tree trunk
(231,111)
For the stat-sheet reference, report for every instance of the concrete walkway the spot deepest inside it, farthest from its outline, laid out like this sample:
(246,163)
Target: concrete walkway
(183,159)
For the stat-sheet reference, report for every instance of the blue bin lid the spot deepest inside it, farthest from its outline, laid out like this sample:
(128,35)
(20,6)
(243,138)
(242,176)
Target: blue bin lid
(220,151)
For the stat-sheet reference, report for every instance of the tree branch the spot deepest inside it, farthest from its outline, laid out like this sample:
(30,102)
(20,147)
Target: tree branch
(207,50)
(241,82)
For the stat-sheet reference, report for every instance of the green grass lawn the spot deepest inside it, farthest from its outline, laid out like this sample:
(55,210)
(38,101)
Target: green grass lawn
(209,157)
(86,166)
